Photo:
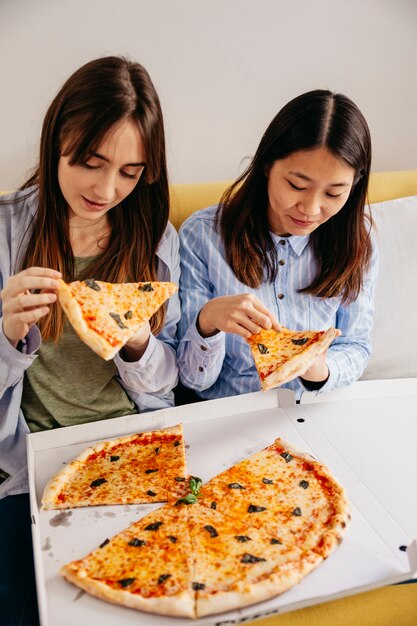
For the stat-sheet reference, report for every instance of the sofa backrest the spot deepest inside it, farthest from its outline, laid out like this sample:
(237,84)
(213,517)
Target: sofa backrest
(187,198)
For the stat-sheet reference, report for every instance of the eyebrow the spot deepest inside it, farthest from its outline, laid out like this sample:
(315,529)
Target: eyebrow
(304,177)
(103,158)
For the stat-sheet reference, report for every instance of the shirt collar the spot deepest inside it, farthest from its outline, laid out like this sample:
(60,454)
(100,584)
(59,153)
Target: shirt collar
(297,242)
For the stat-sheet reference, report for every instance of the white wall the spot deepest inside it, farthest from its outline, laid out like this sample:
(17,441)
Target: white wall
(223,68)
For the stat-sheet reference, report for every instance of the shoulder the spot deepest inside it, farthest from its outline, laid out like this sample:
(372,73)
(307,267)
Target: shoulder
(21,203)
(168,246)
(200,221)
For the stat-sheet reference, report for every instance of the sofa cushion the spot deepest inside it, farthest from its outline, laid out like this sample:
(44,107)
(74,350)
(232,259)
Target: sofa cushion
(394,337)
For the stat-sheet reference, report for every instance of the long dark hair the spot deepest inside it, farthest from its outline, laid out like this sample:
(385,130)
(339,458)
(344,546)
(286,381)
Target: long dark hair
(97,96)
(341,245)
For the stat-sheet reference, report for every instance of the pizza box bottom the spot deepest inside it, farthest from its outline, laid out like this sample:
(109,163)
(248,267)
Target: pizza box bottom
(367,439)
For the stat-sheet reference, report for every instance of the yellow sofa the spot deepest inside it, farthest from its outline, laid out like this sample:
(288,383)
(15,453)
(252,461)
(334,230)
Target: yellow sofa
(187,198)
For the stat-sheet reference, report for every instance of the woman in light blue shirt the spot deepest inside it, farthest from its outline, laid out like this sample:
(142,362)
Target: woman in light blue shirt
(289,244)
(97,206)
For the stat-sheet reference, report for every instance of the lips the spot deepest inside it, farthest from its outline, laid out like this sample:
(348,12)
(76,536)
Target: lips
(302,223)
(94,206)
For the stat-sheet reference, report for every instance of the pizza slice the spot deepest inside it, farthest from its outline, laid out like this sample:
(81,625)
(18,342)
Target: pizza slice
(289,493)
(236,565)
(148,566)
(282,356)
(140,468)
(106,315)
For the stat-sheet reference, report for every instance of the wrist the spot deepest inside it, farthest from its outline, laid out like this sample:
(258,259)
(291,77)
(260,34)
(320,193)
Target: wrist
(13,342)
(204,328)
(132,352)
(320,376)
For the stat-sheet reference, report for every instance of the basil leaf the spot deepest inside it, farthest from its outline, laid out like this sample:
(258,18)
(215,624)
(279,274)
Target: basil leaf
(195,484)
(190,498)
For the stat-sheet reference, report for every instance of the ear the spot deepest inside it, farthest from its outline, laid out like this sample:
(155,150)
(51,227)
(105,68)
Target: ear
(267,169)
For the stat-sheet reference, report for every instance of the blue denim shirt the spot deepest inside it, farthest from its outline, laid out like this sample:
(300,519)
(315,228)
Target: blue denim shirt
(222,365)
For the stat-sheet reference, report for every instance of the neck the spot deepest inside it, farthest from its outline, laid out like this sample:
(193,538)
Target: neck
(91,238)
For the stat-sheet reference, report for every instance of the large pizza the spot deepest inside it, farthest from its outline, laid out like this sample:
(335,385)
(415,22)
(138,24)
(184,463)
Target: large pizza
(252,532)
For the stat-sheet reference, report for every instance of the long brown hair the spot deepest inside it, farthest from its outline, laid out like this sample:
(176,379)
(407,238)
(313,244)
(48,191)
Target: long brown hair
(91,101)
(341,245)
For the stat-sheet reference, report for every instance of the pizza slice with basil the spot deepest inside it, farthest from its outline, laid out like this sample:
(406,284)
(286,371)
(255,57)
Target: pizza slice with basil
(106,315)
(148,566)
(236,564)
(284,491)
(281,356)
(140,468)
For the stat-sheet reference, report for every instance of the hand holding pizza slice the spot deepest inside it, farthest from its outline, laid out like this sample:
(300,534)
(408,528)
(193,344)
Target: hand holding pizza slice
(282,356)
(107,315)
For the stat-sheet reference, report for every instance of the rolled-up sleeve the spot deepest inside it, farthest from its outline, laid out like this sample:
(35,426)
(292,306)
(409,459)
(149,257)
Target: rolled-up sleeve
(200,359)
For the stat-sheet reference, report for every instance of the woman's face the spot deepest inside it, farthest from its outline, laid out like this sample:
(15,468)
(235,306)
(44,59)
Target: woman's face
(305,189)
(94,187)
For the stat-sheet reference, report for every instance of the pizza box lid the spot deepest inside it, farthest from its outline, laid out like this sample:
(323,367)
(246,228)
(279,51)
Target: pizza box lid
(366,435)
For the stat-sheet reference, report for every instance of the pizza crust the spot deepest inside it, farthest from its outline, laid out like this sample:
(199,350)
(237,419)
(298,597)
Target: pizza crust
(245,594)
(338,525)
(178,605)
(73,311)
(297,365)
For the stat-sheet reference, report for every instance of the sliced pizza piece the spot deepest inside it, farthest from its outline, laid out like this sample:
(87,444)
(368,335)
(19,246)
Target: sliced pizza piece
(106,315)
(236,565)
(148,566)
(287,492)
(139,468)
(282,356)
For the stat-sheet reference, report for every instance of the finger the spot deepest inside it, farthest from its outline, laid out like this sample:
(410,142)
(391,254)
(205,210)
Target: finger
(264,316)
(28,301)
(265,321)
(46,272)
(243,322)
(30,317)
(30,283)
(241,331)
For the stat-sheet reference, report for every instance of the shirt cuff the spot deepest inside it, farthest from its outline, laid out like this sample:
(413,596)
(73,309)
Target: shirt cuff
(334,375)
(142,362)
(207,344)
(28,346)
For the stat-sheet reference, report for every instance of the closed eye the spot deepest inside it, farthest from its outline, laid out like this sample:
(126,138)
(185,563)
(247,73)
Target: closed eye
(332,195)
(89,167)
(295,186)
(131,176)
(134,174)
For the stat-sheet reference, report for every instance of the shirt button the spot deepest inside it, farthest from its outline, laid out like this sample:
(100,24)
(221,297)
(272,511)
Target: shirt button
(201,369)
(281,262)
(282,242)
(203,348)
(280,296)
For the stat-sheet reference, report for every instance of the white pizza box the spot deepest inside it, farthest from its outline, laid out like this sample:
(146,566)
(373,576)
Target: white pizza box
(365,434)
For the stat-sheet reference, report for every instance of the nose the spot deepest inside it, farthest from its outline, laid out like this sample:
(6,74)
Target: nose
(310,205)
(105,186)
